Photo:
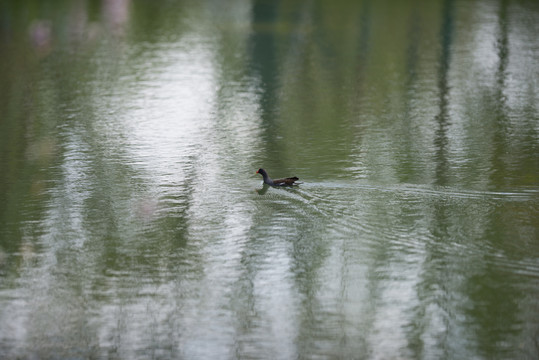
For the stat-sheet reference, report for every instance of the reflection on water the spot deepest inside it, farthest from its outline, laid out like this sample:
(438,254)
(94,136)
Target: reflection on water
(132,223)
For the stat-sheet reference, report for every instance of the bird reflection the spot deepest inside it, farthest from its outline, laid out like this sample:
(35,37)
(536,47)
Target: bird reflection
(264,189)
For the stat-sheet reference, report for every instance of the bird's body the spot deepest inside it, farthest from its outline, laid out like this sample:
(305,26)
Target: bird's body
(277,182)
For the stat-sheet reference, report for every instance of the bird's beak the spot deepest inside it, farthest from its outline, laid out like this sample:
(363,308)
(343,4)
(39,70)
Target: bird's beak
(256,172)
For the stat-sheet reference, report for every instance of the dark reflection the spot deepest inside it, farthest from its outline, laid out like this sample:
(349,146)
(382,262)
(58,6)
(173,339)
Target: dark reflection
(309,251)
(364,43)
(495,293)
(502,46)
(500,123)
(264,64)
(442,119)
(413,48)
(433,290)
(408,170)
(263,190)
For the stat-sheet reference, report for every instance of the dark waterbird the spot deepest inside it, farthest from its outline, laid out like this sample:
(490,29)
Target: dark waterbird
(277,182)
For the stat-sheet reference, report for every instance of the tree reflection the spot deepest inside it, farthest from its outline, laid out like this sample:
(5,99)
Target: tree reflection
(441,141)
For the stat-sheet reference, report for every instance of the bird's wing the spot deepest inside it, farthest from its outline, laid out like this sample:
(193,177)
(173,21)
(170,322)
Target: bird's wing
(285,181)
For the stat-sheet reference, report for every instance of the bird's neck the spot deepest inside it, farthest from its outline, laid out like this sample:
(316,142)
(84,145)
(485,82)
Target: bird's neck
(267,179)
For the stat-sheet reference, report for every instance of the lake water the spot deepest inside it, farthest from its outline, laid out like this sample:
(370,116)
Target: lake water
(133,225)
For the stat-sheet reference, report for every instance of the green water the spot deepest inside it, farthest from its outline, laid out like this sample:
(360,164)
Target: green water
(133,225)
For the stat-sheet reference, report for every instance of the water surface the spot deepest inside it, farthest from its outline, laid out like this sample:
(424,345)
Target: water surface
(133,225)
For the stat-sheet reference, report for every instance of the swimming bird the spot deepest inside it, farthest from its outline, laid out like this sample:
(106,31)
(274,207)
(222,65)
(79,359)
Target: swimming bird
(277,182)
